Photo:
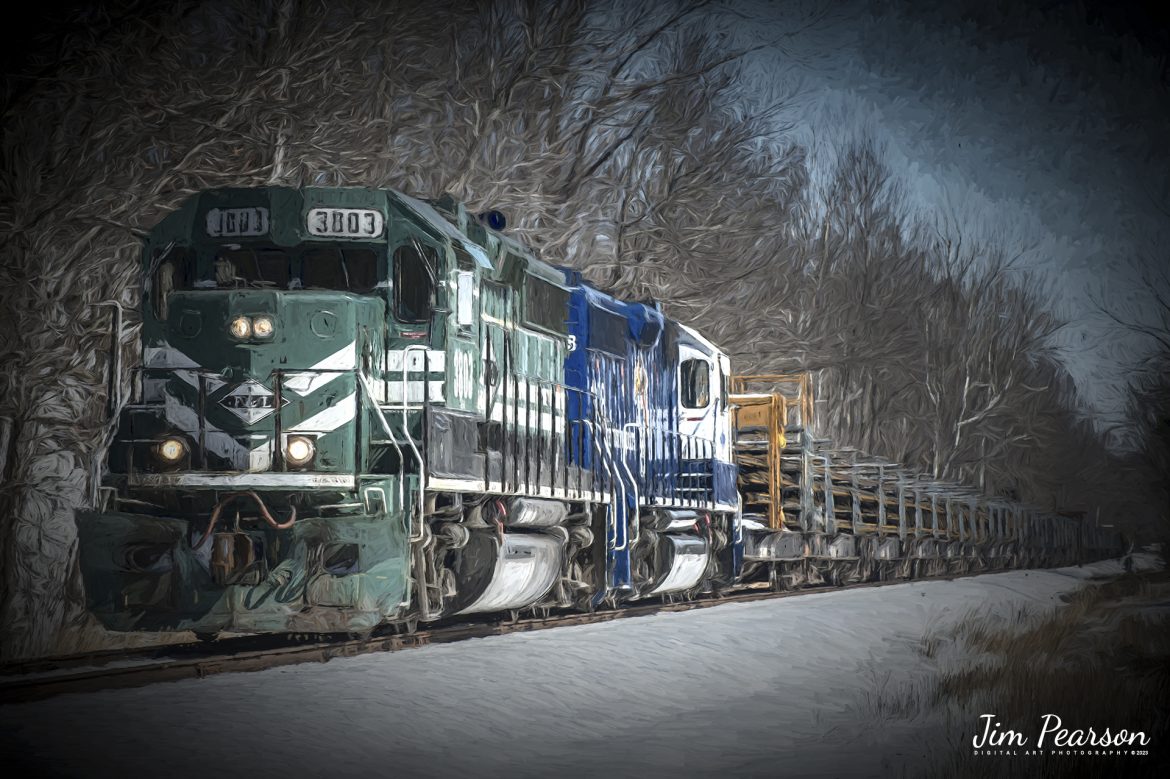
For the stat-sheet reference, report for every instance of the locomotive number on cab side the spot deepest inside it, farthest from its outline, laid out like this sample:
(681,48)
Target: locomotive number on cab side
(464,374)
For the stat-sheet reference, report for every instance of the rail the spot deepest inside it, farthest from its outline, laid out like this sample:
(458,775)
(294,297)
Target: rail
(31,680)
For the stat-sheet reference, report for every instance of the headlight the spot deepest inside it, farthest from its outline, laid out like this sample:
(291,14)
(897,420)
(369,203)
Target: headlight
(298,449)
(262,326)
(171,450)
(241,327)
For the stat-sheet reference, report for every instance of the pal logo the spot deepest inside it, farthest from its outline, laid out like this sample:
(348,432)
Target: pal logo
(251,401)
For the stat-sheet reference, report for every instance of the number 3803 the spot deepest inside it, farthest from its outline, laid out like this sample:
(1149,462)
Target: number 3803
(346,222)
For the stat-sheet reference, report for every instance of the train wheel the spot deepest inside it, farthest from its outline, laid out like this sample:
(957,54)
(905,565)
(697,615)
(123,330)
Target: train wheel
(406,627)
(776,577)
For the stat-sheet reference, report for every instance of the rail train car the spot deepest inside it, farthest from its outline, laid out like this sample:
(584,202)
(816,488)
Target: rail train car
(356,408)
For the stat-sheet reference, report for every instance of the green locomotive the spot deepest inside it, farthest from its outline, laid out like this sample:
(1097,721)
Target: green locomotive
(259,309)
(352,409)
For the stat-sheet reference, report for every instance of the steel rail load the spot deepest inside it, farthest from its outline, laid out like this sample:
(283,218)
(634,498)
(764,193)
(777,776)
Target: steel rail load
(353,408)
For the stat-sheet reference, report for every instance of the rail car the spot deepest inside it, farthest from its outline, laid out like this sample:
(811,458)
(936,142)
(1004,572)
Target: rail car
(354,408)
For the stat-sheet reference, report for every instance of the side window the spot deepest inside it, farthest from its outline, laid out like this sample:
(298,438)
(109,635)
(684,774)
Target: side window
(607,331)
(465,299)
(695,380)
(546,305)
(174,272)
(414,284)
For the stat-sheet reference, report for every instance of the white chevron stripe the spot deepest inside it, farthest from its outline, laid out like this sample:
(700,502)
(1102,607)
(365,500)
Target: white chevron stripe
(330,419)
(166,356)
(260,458)
(311,380)
(181,366)
(192,377)
(184,418)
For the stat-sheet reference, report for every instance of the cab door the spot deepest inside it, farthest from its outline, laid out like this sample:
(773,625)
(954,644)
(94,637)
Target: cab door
(698,383)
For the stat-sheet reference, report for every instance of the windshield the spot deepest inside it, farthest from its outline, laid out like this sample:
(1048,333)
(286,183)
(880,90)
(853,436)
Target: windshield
(339,268)
(252,268)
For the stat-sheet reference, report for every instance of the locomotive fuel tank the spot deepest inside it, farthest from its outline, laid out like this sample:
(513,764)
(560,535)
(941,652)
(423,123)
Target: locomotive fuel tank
(498,574)
(496,570)
(677,556)
(683,559)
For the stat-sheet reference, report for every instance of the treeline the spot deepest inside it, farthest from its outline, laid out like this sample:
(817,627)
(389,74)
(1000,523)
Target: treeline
(1148,421)
(619,138)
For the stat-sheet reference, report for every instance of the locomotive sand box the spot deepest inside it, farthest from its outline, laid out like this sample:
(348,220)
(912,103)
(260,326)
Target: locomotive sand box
(358,408)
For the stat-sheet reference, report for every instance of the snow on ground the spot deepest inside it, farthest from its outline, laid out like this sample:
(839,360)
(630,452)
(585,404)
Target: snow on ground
(769,688)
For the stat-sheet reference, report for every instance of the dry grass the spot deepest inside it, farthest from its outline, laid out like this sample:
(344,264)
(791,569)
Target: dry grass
(1102,660)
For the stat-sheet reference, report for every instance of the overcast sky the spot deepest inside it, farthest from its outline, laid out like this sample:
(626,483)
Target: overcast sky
(1047,125)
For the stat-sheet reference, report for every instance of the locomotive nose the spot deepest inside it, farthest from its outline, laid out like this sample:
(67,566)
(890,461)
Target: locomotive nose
(248,323)
(256,333)
(264,380)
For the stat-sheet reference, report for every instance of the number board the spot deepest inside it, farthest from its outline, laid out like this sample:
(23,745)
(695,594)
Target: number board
(237,221)
(346,222)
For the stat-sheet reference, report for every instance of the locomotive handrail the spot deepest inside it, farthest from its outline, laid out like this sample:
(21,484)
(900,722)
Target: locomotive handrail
(692,449)
(604,446)
(580,426)
(394,441)
(634,484)
(422,469)
(614,477)
(114,394)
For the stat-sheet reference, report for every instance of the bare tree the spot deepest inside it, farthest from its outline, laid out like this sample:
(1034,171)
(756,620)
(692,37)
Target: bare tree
(617,136)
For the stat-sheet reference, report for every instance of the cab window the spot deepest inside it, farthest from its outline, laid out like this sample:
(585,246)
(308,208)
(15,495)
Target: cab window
(414,283)
(251,268)
(695,380)
(173,272)
(348,270)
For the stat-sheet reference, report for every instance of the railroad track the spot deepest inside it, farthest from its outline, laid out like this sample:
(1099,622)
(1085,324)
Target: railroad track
(37,679)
